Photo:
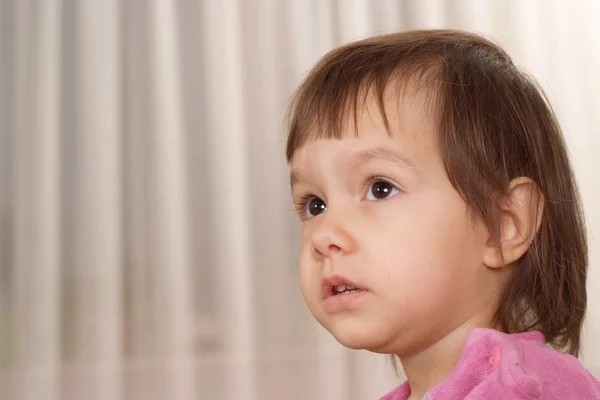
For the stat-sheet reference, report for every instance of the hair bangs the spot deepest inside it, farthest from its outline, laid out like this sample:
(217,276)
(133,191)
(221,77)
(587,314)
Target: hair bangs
(329,101)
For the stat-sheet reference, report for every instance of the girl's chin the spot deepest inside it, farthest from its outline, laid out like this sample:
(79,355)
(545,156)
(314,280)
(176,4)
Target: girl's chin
(360,339)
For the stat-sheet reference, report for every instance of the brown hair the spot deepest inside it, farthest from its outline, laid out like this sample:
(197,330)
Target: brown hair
(495,124)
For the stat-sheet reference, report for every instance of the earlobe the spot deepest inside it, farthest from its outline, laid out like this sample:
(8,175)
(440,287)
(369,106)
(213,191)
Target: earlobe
(521,215)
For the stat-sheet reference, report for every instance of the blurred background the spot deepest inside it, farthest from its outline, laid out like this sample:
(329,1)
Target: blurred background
(148,241)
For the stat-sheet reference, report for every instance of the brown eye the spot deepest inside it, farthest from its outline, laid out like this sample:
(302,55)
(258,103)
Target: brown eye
(380,190)
(314,207)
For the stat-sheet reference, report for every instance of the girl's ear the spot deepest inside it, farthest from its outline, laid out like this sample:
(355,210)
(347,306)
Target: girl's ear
(521,213)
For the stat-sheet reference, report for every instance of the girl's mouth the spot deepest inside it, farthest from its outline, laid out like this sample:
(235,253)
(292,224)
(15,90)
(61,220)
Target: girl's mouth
(337,285)
(344,289)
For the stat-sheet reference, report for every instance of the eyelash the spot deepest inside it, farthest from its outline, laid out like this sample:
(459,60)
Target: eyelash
(301,203)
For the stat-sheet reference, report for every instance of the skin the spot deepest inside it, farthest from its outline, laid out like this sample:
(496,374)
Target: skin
(430,269)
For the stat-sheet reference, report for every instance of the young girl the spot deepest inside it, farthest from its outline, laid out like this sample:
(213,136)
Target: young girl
(441,222)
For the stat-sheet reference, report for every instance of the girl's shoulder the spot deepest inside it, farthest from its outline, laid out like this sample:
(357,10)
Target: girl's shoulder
(494,365)
(530,368)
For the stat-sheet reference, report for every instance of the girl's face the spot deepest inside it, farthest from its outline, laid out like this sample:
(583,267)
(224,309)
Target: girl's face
(381,220)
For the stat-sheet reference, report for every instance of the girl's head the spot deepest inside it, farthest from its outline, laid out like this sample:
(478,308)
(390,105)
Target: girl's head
(431,175)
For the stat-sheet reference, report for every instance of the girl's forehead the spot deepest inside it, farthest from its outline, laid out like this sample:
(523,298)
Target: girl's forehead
(411,130)
(352,152)
(407,115)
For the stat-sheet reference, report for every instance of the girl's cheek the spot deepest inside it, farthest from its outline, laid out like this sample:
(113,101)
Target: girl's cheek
(306,233)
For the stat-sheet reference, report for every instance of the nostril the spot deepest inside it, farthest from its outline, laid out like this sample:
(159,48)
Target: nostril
(315,251)
(334,248)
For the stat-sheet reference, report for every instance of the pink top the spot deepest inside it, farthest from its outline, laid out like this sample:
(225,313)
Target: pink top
(494,365)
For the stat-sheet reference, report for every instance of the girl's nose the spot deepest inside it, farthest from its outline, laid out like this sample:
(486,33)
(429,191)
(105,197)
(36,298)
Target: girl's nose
(331,238)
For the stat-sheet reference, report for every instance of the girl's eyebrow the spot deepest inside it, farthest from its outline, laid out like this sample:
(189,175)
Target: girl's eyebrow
(379,153)
(362,157)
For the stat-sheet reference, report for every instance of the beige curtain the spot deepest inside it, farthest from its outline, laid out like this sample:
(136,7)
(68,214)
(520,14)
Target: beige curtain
(147,239)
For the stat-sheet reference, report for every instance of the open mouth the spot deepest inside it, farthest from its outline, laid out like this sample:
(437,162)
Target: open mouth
(336,286)
(341,294)
(344,289)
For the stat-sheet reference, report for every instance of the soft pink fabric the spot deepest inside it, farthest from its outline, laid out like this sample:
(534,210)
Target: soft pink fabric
(497,366)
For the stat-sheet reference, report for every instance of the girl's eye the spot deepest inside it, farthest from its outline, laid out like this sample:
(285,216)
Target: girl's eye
(380,189)
(313,207)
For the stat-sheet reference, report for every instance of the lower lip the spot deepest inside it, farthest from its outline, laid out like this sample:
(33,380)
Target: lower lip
(342,302)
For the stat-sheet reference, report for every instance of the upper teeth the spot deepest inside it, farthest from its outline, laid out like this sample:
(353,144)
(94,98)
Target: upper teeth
(341,288)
